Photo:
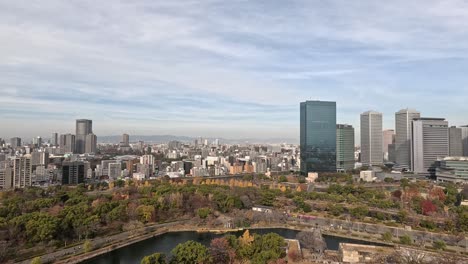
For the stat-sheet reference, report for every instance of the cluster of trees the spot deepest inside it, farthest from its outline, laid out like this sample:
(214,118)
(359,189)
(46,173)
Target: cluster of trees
(258,249)
(406,205)
(55,216)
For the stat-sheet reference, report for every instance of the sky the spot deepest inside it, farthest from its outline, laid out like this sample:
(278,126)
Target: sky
(231,69)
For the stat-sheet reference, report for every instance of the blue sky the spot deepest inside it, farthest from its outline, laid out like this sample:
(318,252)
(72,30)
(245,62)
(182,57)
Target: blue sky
(227,69)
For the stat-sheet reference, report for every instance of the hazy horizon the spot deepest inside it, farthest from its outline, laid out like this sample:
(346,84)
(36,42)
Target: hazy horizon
(225,68)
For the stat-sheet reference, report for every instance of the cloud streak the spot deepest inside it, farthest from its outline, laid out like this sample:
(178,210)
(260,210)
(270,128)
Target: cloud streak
(226,68)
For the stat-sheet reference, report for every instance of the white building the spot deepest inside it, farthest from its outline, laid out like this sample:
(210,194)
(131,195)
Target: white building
(139,176)
(429,142)
(371,138)
(22,171)
(403,126)
(367,176)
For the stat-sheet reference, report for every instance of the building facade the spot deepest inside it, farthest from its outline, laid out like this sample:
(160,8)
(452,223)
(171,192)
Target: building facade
(453,169)
(465,140)
(67,143)
(73,172)
(388,139)
(318,136)
(6,178)
(91,143)
(15,142)
(22,171)
(344,147)
(455,142)
(125,140)
(371,138)
(403,125)
(430,141)
(54,139)
(83,128)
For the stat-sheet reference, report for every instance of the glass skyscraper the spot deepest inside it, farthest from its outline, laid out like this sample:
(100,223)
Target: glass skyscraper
(318,136)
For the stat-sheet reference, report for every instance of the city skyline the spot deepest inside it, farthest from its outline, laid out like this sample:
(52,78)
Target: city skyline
(241,76)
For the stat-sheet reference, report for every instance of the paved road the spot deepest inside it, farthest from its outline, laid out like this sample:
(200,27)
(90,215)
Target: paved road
(101,241)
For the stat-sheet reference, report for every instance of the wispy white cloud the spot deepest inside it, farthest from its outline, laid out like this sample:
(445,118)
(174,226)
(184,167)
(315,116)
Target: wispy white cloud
(220,66)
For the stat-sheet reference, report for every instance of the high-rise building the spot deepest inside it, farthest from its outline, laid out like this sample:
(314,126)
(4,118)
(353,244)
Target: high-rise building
(125,140)
(91,143)
(67,143)
(455,142)
(318,136)
(37,141)
(371,138)
(344,147)
(403,125)
(54,139)
(388,139)
(15,142)
(22,170)
(73,172)
(83,128)
(465,140)
(430,141)
(6,178)
(453,169)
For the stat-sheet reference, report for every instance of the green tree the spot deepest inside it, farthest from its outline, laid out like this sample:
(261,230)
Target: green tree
(156,258)
(402,216)
(406,240)
(440,245)
(336,209)
(203,212)
(282,178)
(36,260)
(87,246)
(119,183)
(359,211)
(146,213)
(387,237)
(190,252)
(41,227)
(404,183)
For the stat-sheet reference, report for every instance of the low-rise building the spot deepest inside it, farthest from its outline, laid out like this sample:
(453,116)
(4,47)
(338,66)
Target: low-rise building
(367,176)
(452,169)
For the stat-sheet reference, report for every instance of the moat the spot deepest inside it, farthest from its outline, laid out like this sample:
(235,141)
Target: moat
(133,253)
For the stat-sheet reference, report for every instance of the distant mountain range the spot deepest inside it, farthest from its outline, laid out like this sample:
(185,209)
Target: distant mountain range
(167,138)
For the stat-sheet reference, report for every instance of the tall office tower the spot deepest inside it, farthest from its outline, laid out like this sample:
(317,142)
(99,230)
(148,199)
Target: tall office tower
(15,142)
(430,140)
(67,143)
(371,138)
(388,139)
(318,136)
(125,140)
(344,147)
(91,143)
(73,172)
(54,139)
(37,141)
(83,128)
(465,140)
(22,170)
(403,119)
(455,142)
